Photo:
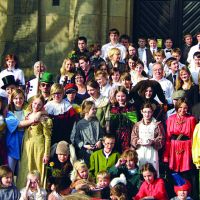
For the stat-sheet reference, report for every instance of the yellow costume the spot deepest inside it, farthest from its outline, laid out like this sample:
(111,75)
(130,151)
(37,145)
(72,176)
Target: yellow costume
(196,146)
(36,144)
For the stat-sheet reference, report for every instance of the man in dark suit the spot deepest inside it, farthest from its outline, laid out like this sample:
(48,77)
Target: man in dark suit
(172,64)
(186,47)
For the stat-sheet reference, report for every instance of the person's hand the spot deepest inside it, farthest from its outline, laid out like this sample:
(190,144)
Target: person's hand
(89,147)
(28,184)
(98,145)
(120,162)
(140,142)
(45,159)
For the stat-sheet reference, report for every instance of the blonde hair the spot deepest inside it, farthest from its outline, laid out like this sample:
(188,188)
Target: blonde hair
(125,76)
(112,52)
(35,173)
(62,69)
(103,175)
(101,73)
(39,96)
(38,63)
(79,164)
(179,81)
(55,88)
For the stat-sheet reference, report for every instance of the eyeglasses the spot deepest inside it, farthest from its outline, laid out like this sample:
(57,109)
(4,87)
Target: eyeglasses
(57,93)
(45,84)
(107,144)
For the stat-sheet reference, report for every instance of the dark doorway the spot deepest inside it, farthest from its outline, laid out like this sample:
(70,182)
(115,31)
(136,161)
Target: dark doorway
(166,18)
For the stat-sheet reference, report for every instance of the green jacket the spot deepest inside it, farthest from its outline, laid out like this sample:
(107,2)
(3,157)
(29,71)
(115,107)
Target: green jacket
(98,161)
(133,179)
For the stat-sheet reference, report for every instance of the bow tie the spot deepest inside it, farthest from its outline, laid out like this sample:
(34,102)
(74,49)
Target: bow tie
(168,50)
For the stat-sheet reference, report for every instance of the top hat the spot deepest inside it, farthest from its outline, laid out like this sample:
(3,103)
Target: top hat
(47,78)
(9,80)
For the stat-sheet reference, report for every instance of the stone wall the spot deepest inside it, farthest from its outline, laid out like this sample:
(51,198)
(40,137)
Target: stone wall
(35,29)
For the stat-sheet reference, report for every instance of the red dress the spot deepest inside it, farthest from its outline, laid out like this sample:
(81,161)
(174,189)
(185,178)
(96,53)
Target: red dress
(179,142)
(155,189)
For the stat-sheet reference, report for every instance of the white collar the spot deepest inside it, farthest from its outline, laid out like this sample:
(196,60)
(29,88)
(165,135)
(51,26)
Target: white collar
(54,108)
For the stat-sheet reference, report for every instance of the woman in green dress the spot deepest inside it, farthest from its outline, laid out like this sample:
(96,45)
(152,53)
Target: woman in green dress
(36,143)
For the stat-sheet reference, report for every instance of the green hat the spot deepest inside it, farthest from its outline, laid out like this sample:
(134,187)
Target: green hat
(47,78)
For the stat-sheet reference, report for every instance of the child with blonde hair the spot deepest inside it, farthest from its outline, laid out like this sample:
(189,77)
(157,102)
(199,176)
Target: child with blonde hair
(80,176)
(33,190)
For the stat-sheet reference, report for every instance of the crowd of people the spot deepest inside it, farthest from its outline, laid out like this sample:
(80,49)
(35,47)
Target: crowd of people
(119,121)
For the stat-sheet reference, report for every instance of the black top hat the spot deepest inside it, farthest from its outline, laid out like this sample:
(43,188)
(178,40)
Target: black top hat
(9,80)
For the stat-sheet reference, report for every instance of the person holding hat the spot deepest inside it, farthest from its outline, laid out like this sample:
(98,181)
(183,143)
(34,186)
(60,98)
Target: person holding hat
(9,84)
(182,188)
(45,84)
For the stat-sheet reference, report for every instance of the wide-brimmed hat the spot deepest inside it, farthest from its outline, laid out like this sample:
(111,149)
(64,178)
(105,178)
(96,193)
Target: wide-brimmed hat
(47,78)
(9,80)
(178,94)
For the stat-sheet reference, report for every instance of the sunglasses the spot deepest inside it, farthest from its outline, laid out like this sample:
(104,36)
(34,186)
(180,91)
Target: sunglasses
(45,84)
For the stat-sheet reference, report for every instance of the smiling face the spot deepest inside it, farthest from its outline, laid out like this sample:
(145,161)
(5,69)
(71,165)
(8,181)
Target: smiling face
(101,80)
(130,164)
(108,144)
(116,77)
(184,75)
(62,157)
(18,101)
(148,93)
(103,182)
(93,92)
(139,69)
(182,195)
(58,97)
(131,51)
(37,105)
(182,110)
(147,113)
(68,65)
(157,71)
(121,98)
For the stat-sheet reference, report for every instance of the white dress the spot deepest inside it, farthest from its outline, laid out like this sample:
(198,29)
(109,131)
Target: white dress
(147,153)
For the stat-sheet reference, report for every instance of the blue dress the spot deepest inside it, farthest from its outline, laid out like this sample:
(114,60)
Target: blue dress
(14,135)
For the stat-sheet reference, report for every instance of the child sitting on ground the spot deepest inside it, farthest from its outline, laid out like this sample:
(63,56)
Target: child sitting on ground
(182,188)
(127,164)
(118,190)
(7,190)
(103,182)
(64,158)
(80,176)
(32,190)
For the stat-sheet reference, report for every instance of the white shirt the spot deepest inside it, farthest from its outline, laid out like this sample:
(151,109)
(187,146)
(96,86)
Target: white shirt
(167,87)
(195,74)
(17,73)
(105,91)
(167,54)
(193,49)
(106,47)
